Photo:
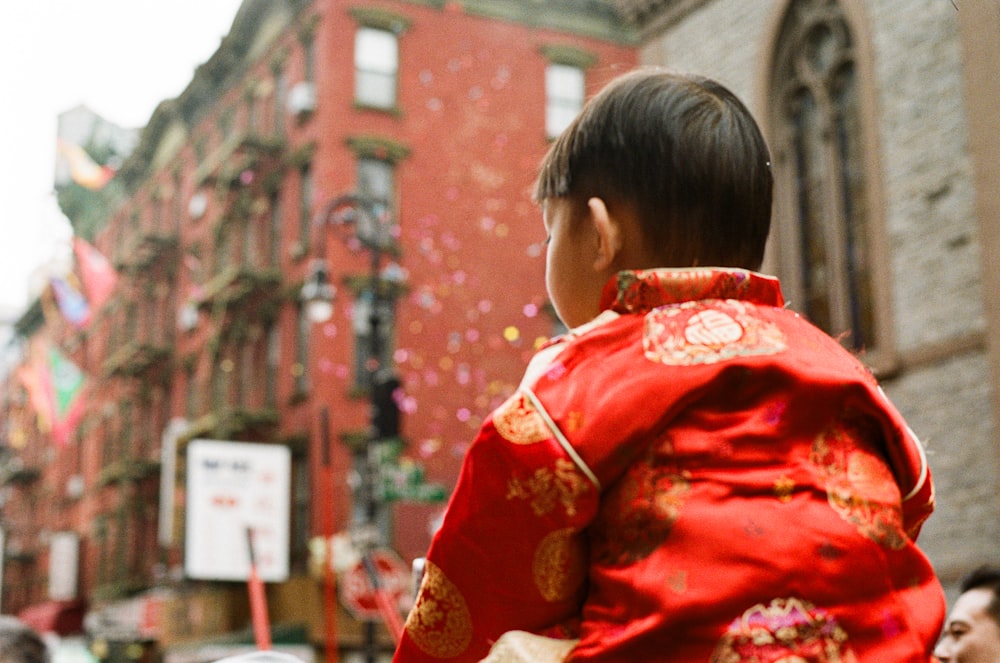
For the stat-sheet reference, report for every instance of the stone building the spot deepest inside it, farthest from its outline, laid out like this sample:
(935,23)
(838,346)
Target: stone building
(881,117)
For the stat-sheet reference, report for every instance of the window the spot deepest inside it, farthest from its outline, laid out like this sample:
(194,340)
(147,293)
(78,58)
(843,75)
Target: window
(302,490)
(564,95)
(309,57)
(280,94)
(273,363)
(376,179)
(376,64)
(178,201)
(300,367)
(373,322)
(192,393)
(825,220)
(305,205)
(274,230)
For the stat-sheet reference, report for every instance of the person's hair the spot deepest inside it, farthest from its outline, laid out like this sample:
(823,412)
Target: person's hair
(985,577)
(684,153)
(19,643)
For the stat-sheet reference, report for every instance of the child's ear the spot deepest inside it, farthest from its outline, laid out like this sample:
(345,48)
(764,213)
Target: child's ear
(609,234)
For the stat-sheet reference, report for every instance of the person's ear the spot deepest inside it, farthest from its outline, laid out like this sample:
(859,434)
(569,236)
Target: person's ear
(609,235)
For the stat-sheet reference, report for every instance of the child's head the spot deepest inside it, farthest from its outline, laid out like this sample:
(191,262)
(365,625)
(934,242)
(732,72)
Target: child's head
(678,153)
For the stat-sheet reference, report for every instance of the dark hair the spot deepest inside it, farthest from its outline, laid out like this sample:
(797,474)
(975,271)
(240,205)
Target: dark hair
(684,153)
(985,577)
(19,643)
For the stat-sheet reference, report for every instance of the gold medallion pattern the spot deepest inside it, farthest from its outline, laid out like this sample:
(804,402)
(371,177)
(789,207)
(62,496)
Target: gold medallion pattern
(518,421)
(547,488)
(439,623)
(788,630)
(638,513)
(859,484)
(559,566)
(708,332)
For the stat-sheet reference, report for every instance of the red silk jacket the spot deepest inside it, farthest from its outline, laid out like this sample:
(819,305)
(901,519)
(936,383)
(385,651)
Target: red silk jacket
(696,475)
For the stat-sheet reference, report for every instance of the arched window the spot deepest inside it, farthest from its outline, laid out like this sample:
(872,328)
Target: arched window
(827,220)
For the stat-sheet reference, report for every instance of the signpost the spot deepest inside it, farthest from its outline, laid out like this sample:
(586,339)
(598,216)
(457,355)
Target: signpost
(386,597)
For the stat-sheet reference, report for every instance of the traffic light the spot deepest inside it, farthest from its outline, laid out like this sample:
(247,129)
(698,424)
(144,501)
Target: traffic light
(385,408)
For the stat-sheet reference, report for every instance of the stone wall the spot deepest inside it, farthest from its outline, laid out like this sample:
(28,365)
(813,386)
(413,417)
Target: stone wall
(931,226)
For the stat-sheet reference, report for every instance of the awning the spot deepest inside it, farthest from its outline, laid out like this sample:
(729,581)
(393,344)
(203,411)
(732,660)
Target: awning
(59,617)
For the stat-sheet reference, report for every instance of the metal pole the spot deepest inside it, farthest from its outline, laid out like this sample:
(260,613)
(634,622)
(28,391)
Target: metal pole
(370,469)
(329,578)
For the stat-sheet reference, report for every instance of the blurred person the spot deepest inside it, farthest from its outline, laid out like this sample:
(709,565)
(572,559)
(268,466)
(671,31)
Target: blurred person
(19,643)
(972,632)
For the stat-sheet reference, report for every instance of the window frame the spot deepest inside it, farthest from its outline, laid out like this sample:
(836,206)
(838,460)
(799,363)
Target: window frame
(386,95)
(784,255)
(393,24)
(560,57)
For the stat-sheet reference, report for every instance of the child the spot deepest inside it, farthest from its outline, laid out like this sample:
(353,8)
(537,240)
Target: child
(693,473)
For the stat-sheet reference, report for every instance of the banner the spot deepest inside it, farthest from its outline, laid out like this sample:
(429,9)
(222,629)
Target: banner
(98,275)
(72,304)
(66,386)
(82,168)
(55,387)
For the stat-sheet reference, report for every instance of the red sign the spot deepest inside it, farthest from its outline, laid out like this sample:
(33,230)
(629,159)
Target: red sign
(358,594)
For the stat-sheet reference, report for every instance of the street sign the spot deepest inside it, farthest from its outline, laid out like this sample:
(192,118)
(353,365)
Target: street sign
(401,479)
(358,595)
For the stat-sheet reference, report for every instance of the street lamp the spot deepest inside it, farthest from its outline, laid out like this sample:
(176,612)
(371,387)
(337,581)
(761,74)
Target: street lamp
(317,292)
(364,224)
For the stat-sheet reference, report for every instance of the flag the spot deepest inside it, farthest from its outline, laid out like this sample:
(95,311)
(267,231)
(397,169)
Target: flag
(37,395)
(82,168)
(56,388)
(99,277)
(65,384)
(72,304)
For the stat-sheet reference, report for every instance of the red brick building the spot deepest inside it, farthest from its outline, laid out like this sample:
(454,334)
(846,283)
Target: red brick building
(440,109)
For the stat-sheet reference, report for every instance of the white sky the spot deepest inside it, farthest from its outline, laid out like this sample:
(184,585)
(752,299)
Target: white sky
(120,58)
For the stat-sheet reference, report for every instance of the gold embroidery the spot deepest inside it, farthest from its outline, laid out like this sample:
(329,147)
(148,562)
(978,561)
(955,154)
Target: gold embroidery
(788,630)
(574,421)
(783,487)
(518,421)
(859,485)
(439,623)
(708,332)
(548,487)
(638,513)
(559,565)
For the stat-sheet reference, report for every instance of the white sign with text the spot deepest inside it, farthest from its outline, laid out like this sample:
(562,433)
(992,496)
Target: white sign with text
(233,488)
